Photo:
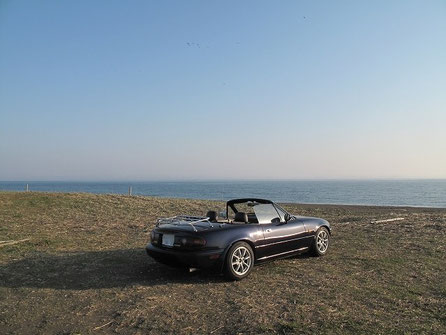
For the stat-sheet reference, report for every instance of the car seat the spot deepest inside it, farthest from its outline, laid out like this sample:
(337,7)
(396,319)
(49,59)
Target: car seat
(241,217)
(212,215)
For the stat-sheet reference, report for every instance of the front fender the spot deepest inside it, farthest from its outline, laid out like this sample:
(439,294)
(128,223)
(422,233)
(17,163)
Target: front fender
(313,224)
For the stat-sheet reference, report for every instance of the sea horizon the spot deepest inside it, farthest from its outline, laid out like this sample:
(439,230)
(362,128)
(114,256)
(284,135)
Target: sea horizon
(212,180)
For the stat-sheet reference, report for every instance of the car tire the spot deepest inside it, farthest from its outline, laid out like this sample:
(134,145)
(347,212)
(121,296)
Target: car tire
(321,242)
(239,261)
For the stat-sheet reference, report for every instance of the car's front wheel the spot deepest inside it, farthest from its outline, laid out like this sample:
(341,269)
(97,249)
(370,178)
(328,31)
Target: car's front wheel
(239,261)
(321,242)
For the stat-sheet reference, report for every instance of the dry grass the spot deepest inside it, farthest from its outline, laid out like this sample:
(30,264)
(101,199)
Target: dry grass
(84,270)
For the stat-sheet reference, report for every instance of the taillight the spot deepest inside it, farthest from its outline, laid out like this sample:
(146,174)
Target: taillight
(192,242)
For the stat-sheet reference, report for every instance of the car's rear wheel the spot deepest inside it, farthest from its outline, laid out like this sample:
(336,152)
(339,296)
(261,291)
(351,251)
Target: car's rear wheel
(321,242)
(239,261)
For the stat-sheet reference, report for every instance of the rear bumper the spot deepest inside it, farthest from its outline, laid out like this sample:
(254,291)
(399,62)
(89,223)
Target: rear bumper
(194,259)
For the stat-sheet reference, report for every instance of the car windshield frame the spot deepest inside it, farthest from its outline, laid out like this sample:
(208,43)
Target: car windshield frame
(252,202)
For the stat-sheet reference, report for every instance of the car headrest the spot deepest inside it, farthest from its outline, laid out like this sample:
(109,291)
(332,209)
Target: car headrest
(212,215)
(241,217)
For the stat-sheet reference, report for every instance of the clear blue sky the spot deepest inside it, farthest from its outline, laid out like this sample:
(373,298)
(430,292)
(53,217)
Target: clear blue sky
(145,90)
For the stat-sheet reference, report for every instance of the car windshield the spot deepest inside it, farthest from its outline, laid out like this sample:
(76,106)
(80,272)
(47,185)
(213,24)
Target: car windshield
(266,213)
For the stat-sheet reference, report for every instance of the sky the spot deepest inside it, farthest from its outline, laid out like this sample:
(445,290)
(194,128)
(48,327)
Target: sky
(200,90)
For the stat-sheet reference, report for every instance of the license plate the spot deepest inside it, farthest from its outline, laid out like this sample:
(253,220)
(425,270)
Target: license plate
(168,239)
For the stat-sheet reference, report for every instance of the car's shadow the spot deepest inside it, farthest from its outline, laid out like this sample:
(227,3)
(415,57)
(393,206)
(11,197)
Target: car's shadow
(96,269)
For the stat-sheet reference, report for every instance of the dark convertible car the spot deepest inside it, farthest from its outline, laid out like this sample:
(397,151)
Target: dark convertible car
(249,232)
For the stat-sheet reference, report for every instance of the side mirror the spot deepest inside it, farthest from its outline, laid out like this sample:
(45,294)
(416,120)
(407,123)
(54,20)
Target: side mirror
(287,217)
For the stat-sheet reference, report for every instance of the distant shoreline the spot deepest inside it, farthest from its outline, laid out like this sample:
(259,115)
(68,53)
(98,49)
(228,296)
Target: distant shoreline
(346,205)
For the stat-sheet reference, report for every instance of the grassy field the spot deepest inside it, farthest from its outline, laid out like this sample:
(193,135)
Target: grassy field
(84,271)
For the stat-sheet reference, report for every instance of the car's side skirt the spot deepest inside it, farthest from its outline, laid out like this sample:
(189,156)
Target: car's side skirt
(285,241)
(283,253)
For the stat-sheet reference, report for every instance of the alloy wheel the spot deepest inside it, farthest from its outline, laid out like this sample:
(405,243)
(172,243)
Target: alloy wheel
(241,260)
(322,241)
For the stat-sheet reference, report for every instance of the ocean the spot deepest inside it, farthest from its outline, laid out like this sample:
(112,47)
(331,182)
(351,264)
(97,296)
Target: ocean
(424,193)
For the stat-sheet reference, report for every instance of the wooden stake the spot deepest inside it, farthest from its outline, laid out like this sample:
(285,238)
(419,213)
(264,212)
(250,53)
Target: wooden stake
(388,220)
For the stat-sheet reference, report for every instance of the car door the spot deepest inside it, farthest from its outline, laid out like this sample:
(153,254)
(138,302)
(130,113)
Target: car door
(280,237)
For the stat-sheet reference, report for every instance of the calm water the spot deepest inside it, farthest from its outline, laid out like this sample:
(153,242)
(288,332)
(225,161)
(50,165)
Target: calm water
(429,193)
